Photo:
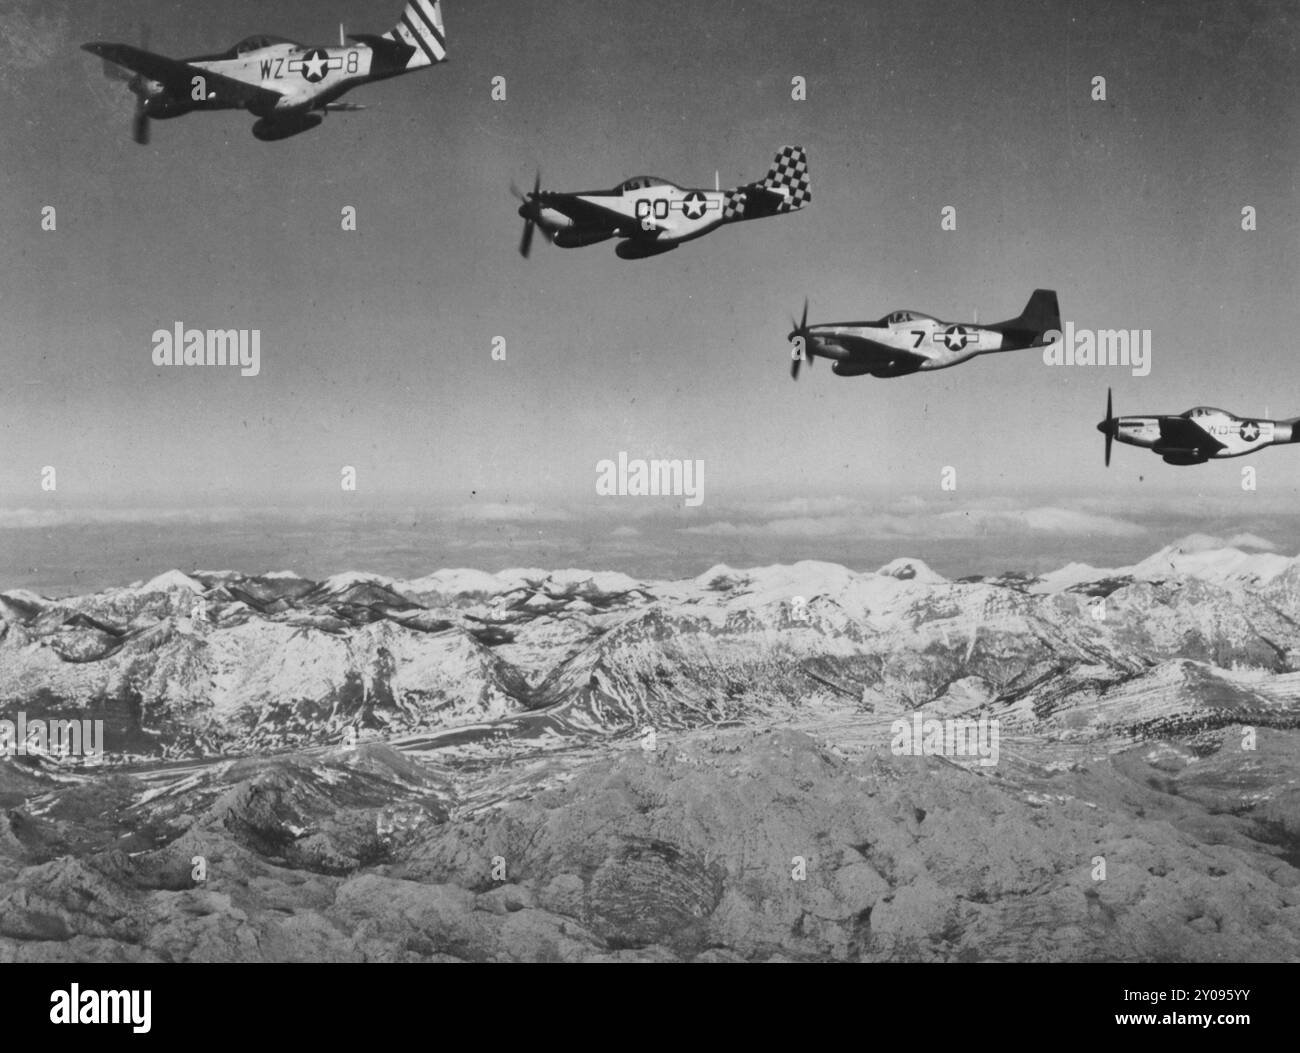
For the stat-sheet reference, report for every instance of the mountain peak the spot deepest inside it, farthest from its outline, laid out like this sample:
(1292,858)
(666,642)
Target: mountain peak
(349,578)
(907,569)
(170,581)
(1213,559)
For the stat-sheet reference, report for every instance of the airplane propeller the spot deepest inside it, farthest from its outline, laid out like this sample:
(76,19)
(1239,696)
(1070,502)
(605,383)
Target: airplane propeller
(140,123)
(530,212)
(140,119)
(1107,427)
(800,330)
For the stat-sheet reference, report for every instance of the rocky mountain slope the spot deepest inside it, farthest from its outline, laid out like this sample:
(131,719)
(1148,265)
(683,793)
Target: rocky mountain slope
(580,765)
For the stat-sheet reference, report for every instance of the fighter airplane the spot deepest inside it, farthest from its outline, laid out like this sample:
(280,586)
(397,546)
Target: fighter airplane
(906,342)
(654,216)
(1199,435)
(287,86)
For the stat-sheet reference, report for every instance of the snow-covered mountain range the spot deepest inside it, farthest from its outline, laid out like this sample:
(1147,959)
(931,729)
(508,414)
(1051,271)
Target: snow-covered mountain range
(462,766)
(187,665)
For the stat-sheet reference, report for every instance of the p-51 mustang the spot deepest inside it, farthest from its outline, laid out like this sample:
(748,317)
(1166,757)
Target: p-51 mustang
(910,342)
(287,86)
(653,216)
(1199,435)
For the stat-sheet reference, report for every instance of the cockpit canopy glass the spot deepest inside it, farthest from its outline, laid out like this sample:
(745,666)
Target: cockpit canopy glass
(256,43)
(1205,411)
(642,183)
(903,317)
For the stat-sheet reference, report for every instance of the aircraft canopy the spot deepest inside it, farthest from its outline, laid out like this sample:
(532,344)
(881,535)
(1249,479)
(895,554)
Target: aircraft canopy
(643,182)
(256,43)
(900,317)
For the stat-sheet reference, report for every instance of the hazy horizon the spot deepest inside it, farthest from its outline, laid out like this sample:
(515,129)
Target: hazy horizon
(87,554)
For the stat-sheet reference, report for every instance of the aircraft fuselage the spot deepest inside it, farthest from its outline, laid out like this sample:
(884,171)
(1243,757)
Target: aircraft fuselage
(930,344)
(1202,434)
(307,78)
(652,215)
(678,213)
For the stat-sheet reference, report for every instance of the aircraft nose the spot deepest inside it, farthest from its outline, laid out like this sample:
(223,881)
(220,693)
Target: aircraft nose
(1107,427)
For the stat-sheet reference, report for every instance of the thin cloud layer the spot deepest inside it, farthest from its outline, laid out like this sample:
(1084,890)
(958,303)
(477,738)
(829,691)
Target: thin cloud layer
(998,518)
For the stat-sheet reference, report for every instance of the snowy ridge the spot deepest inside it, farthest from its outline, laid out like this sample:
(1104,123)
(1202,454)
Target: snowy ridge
(1197,556)
(277,661)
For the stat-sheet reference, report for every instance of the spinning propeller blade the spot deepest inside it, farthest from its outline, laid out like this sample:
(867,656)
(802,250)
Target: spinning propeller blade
(800,330)
(140,119)
(1107,427)
(140,123)
(529,211)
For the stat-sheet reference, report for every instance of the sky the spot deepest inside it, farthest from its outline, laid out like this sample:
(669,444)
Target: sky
(376,344)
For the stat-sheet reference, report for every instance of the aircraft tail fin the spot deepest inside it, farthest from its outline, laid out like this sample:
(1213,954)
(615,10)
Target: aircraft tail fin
(1041,315)
(786,188)
(788,177)
(1285,431)
(421,33)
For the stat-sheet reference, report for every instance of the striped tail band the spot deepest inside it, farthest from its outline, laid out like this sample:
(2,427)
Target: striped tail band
(421,29)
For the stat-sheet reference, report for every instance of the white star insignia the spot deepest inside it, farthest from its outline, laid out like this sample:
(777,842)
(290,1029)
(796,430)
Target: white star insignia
(314,67)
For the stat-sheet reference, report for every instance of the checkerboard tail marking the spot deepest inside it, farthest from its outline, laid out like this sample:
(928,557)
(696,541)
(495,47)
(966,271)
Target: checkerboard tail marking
(786,188)
(421,29)
(788,176)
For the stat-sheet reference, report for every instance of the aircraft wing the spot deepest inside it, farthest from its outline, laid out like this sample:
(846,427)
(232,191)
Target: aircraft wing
(178,77)
(873,353)
(586,212)
(1180,434)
